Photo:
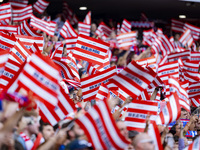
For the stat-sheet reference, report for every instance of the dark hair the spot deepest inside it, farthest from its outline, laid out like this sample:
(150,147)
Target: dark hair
(176,138)
(42,124)
(173,129)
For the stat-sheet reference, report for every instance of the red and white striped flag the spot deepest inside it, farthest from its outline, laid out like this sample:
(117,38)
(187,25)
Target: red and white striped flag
(28,41)
(19,52)
(133,79)
(57,54)
(157,46)
(103,29)
(184,55)
(195,56)
(90,84)
(70,43)
(175,86)
(8,29)
(194,89)
(87,19)
(176,25)
(192,68)
(6,42)
(11,69)
(195,31)
(64,107)
(167,69)
(195,102)
(5,10)
(3,60)
(25,29)
(66,70)
(149,37)
(91,50)
(101,129)
(186,38)
(91,69)
(41,76)
(18,3)
(102,92)
(4,22)
(156,82)
(167,46)
(67,30)
(18,15)
(74,67)
(40,6)
(73,83)
(84,28)
(171,112)
(126,40)
(155,134)
(126,26)
(39,24)
(35,48)
(194,145)
(136,114)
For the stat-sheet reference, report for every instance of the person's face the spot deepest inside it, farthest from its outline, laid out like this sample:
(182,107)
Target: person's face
(34,128)
(47,132)
(122,127)
(178,130)
(184,115)
(77,130)
(147,143)
(93,27)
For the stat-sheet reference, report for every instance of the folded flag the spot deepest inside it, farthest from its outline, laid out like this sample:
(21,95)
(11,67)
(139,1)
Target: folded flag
(126,40)
(184,55)
(103,30)
(84,28)
(175,86)
(171,112)
(8,29)
(167,69)
(186,38)
(41,76)
(149,37)
(194,56)
(18,3)
(10,70)
(67,30)
(25,29)
(40,6)
(64,107)
(192,68)
(5,10)
(194,89)
(126,26)
(6,42)
(57,54)
(18,15)
(102,92)
(90,49)
(39,24)
(137,112)
(90,84)
(176,25)
(29,40)
(70,43)
(195,31)
(101,129)
(133,79)
(3,60)
(19,52)
(87,19)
